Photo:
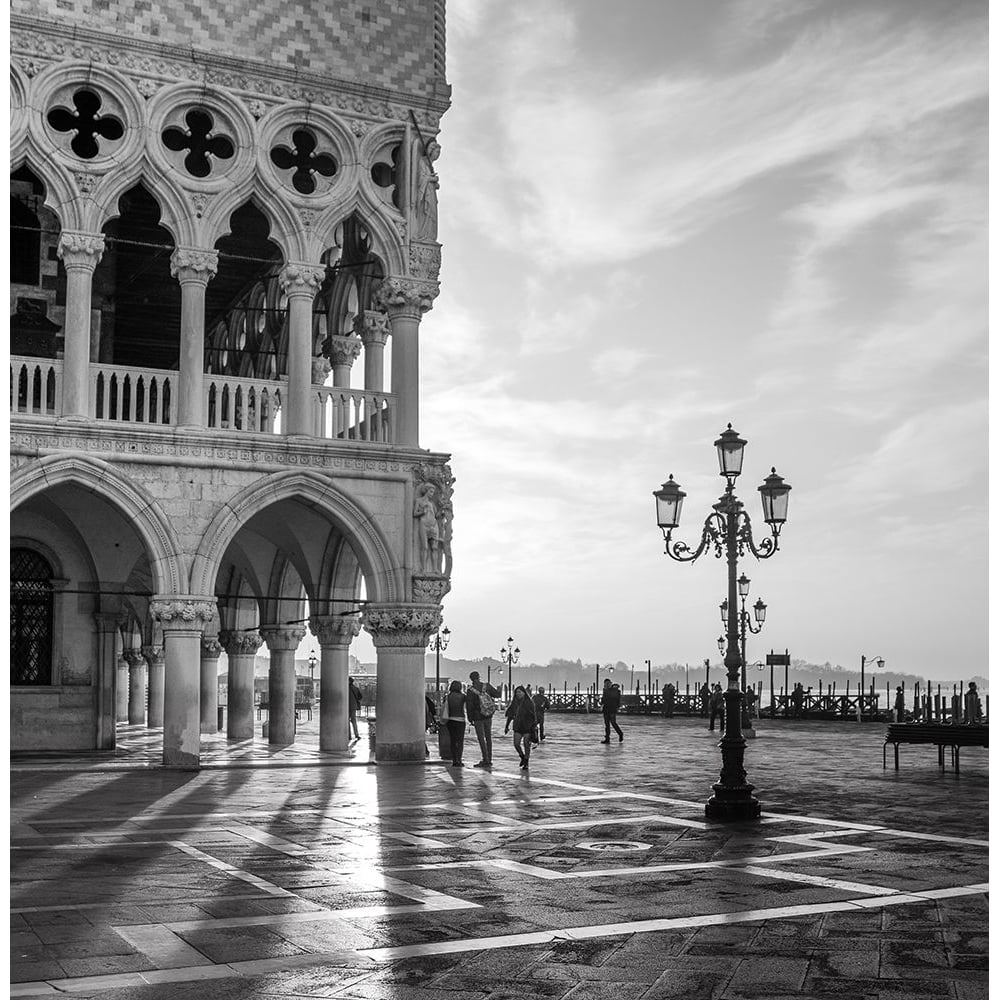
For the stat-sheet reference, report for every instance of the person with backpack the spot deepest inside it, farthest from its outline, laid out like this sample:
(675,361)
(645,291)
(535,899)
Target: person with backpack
(521,714)
(481,706)
(354,700)
(541,703)
(716,707)
(611,699)
(455,714)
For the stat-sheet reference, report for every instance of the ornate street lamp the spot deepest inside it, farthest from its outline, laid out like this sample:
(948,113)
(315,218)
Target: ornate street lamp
(438,643)
(745,625)
(312,674)
(880,663)
(509,655)
(727,530)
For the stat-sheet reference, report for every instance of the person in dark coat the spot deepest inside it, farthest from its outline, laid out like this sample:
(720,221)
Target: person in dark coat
(455,714)
(704,694)
(541,703)
(900,706)
(716,707)
(353,705)
(480,717)
(611,699)
(669,693)
(521,715)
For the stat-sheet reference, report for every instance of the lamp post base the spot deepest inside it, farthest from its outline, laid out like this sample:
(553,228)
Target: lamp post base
(732,805)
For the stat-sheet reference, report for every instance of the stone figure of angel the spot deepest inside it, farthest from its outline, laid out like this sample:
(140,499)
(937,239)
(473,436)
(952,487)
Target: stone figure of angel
(425,202)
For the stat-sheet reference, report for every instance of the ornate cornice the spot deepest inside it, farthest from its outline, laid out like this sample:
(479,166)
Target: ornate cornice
(345,350)
(372,326)
(194,264)
(284,638)
(80,250)
(335,630)
(240,643)
(301,279)
(406,296)
(401,625)
(425,261)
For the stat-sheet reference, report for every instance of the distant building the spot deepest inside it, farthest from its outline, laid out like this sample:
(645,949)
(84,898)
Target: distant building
(223,241)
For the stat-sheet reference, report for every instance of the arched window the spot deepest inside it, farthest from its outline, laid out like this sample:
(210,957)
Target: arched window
(30,618)
(25,244)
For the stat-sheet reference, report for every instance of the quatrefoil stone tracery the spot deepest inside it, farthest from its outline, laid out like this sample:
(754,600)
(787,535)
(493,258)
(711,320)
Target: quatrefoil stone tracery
(87,124)
(199,142)
(305,160)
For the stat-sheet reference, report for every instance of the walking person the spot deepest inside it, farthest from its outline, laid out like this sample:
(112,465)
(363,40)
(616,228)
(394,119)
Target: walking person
(521,714)
(455,709)
(354,700)
(541,704)
(480,707)
(716,707)
(611,699)
(798,694)
(704,696)
(669,693)
(973,706)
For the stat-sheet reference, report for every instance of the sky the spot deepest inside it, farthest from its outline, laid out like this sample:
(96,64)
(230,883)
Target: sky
(662,216)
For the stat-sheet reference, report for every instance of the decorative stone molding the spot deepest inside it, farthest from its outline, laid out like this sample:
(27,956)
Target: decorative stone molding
(406,296)
(239,643)
(147,87)
(211,649)
(194,264)
(401,625)
(284,638)
(85,182)
(372,326)
(321,367)
(80,250)
(335,630)
(430,589)
(153,654)
(200,203)
(134,658)
(301,279)
(425,261)
(257,108)
(182,613)
(345,350)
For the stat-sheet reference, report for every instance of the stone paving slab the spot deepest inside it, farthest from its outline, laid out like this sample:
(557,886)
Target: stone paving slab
(593,875)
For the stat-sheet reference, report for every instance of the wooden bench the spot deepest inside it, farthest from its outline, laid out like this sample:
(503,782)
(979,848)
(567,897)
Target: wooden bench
(938,734)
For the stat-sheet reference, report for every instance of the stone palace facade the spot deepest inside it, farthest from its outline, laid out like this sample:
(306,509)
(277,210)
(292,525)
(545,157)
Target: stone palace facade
(224,238)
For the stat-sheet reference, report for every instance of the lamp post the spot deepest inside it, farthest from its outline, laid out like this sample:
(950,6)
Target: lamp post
(727,530)
(312,674)
(509,655)
(880,663)
(745,625)
(439,642)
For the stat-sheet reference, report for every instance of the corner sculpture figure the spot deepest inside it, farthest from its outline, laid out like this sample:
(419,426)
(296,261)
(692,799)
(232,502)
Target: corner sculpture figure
(425,202)
(427,529)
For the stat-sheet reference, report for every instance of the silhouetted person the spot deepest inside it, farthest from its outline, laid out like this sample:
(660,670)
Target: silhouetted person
(521,715)
(354,700)
(611,699)
(455,709)
(669,693)
(973,706)
(704,694)
(900,704)
(716,708)
(798,694)
(541,703)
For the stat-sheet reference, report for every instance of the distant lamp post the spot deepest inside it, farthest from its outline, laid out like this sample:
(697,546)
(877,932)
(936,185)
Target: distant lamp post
(727,530)
(509,654)
(436,645)
(312,674)
(745,625)
(880,663)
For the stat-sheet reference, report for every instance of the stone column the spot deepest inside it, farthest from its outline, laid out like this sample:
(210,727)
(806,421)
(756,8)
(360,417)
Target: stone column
(400,633)
(154,680)
(406,300)
(241,648)
(80,254)
(300,283)
(121,689)
(334,633)
(107,665)
(282,644)
(344,352)
(211,648)
(136,686)
(373,328)
(193,267)
(183,620)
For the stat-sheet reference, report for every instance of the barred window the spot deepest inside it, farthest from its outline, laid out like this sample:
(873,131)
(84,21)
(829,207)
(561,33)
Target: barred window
(30,618)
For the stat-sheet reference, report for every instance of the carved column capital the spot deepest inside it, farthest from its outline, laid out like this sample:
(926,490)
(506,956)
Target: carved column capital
(182,614)
(301,279)
(153,654)
(284,638)
(321,367)
(80,250)
(238,643)
(211,649)
(345,350)
(401,625)
(134,658)
(406,296)
(372,326)
(335,630)
(194,264)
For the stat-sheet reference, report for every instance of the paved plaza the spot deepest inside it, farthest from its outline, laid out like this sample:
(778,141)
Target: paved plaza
(593,875)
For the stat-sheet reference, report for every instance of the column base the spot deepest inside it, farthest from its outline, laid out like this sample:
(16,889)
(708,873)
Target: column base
(401,753)
(732,805)
(181,760)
